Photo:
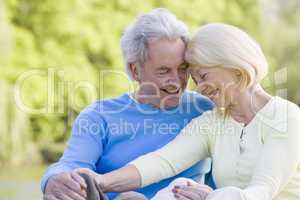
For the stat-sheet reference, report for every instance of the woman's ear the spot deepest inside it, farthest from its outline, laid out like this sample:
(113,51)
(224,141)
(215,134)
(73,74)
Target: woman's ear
(238,76)
(134,70)
(238,73)
(243,79)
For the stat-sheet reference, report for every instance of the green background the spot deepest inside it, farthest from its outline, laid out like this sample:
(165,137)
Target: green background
(56,57)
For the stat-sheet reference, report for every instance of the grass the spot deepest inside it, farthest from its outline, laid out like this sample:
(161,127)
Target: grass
(21,182)
(22,173)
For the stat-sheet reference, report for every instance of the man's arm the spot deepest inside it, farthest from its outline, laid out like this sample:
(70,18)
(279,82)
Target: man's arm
(190,146)
(83,150)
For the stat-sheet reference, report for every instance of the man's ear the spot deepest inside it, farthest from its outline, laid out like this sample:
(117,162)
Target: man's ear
(134,70)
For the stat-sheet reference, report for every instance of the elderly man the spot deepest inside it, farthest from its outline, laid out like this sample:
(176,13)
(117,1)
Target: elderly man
(110,133)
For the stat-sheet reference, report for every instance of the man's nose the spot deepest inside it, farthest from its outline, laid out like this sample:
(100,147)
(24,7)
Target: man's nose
(175,79)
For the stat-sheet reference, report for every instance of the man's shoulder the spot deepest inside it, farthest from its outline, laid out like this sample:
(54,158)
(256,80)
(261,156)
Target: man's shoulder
(107,105)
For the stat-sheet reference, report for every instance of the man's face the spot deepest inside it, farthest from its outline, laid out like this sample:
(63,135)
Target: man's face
(164,75)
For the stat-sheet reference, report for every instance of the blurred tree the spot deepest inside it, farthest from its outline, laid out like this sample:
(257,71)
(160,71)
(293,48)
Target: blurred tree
(60,48)
(282,44)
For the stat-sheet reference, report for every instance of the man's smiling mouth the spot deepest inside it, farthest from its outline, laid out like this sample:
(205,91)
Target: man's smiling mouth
(171,91)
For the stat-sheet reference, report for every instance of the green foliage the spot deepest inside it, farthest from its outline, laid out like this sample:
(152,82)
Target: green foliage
(282,43)
(70,42)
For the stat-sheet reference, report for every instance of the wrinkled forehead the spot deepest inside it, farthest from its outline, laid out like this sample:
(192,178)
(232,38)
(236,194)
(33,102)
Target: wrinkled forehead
(166,48)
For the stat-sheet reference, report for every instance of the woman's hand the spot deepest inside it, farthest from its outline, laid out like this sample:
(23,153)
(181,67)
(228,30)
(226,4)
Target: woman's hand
(191,191)
(124,179)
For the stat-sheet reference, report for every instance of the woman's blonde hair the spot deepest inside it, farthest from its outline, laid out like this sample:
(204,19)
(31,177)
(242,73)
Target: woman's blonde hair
(222,45)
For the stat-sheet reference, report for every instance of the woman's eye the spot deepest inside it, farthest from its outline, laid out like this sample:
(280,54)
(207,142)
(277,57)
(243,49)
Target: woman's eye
(195,80)
(203,76)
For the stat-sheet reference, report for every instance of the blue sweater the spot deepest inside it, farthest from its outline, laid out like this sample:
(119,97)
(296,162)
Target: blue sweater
(110,133)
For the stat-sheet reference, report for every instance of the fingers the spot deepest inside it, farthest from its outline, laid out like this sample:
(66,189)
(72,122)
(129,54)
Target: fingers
(97,177)
(72,185)
(200,186)
(79,179)
(191,191)
(180,197)
(198,189)
(70,194)
(50,197)
(181,194)
(64,187)
(64,197)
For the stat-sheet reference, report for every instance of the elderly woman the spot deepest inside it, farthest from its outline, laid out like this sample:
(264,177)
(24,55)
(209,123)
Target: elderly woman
(252,137)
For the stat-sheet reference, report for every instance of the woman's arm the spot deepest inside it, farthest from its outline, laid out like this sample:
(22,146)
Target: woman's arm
(190,146)
(124,179)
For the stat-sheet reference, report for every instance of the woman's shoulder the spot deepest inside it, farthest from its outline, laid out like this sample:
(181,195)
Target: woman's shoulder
(286,108)
(282,116)
(209,116)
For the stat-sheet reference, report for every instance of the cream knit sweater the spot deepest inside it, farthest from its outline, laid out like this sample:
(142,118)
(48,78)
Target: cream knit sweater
(260,161)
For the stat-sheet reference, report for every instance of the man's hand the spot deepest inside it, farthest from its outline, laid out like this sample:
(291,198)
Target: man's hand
(97,177)
(65,186)
(191,191)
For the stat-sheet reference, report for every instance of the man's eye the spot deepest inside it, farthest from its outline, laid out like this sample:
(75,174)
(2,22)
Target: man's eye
(183,67)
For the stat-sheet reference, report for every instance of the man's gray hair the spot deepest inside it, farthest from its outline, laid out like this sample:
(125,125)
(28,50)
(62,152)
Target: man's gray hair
(157,24)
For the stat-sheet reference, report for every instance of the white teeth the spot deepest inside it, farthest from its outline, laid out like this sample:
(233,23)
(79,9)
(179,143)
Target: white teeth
(172,91)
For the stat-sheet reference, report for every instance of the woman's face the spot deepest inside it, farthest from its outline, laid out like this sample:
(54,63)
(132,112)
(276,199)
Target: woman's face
(217,83)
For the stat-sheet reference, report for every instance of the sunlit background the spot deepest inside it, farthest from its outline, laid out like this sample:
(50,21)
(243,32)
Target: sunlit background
(58,56)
